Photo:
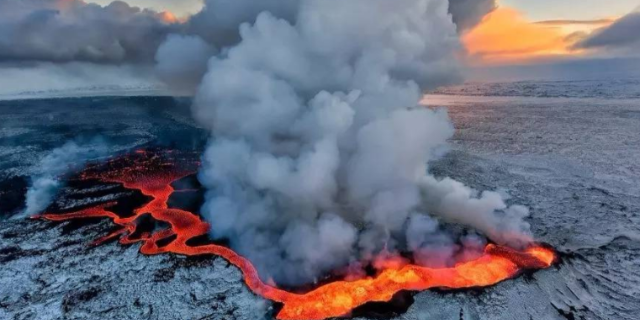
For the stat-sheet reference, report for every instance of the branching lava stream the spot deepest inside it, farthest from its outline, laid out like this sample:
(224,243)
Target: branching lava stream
(153,174)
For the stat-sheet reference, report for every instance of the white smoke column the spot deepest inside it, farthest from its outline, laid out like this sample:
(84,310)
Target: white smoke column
(487,212)
(46,183)
(319,147)
(181,62)
(436,248)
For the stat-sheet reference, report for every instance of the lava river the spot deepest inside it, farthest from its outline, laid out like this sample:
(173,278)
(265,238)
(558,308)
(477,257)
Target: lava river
(153,174)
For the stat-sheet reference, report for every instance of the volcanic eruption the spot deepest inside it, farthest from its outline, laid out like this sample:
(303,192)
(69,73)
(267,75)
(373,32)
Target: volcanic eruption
(319,149)
(317,166)
(153,173)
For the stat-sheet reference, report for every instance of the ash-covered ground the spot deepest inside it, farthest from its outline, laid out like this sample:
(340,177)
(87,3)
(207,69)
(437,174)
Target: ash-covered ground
(573,161)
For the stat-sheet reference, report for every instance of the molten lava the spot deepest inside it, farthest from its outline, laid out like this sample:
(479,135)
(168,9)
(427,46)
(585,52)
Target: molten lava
(153,175)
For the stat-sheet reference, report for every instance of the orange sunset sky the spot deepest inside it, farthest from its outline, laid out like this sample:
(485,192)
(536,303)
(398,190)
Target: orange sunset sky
(506,35)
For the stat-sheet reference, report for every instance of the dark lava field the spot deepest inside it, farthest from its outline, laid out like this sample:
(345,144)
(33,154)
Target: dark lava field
(573,161)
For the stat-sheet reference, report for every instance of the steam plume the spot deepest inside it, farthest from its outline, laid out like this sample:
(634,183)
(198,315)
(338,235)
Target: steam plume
(46,183)
(181,61)
(218,24)
(319,151)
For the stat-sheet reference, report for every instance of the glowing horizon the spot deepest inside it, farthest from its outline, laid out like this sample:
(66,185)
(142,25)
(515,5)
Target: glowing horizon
(507,36)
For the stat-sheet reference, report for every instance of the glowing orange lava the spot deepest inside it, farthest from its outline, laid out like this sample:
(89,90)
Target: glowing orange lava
(153,176)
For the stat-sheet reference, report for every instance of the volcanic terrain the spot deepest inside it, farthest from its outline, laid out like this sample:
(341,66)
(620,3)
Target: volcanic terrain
(582,189)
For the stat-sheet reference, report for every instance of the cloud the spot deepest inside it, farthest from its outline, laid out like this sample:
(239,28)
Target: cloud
(71,30)
(624,35)
(467,14)
(219,20)
(596,22)
(181,8)
(67,32)
(182,60)
(218,24)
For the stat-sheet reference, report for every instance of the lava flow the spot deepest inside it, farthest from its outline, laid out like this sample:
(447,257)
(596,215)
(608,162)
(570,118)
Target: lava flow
(153,175)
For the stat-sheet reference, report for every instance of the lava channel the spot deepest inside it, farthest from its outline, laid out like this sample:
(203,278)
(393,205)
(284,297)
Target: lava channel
(153,175)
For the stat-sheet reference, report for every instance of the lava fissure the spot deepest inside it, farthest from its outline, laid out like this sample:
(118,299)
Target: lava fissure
(153,175)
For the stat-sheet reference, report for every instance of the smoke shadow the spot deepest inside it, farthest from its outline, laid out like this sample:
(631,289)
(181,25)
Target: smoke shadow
(188,194)
(12,195)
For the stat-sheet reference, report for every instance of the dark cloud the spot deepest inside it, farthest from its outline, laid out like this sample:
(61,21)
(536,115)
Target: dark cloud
(72,30)
(576,22)
(63,34)
(181,61)
(468,13)
(623,34)
(219,21)
(217,26)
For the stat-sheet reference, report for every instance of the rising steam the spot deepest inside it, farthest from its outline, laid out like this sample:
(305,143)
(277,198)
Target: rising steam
(319,150)
(46,183)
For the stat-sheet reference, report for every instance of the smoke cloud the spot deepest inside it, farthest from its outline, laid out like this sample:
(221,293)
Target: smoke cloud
(182,58)
(218,24)
(319,151)
(72,30)
(487,211)
(622,35)
(46,183)
(468,13)
(218,21)
(182,61)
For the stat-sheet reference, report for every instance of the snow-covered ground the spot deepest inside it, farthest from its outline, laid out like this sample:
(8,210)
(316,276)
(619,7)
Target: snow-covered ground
(574,161)
(608,88)
(135,90)
(75,79)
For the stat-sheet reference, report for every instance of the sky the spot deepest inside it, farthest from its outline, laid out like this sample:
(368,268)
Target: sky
(535,10)
(538,10)
(519,31)
(180,8)
(55,40)
(526,31)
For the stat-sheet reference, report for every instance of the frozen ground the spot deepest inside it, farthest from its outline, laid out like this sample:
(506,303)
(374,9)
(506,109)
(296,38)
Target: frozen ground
(135,90)
(574,162)
(610,88)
